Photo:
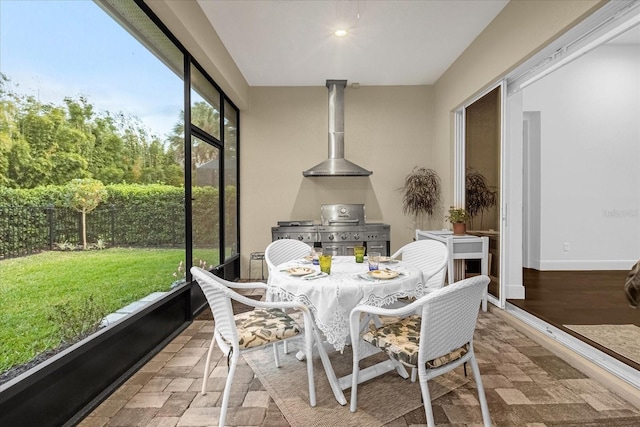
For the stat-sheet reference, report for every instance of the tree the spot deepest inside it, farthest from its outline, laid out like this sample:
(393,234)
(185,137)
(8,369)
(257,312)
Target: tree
(84,195)
(46,144)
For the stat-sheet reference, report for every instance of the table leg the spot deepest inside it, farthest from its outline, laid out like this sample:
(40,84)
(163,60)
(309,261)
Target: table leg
(328,369)
(484,269)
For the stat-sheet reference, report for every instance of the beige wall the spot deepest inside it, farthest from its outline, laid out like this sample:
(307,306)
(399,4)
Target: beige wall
(520,30)
(388,129)
(188,23)
(284,131)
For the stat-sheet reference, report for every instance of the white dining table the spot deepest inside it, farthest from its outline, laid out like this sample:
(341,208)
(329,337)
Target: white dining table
(331,298)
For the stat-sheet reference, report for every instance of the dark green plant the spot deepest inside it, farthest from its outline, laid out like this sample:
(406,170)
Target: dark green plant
(479,196)
(74,320)
(421,192)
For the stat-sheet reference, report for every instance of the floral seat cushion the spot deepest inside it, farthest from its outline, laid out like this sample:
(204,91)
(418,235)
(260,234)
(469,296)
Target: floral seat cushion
(264,326)
(401,340)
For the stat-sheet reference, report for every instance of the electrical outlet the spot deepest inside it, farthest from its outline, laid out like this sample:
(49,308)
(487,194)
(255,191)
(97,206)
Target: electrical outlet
(566,247)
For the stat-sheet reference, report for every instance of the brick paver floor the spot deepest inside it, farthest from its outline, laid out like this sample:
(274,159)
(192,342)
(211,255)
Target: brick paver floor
(526,385)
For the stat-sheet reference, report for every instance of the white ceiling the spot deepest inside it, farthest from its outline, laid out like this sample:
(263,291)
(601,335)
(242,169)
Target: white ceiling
(291,43)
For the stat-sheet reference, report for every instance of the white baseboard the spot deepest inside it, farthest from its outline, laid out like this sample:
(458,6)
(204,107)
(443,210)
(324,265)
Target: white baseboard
(582,265)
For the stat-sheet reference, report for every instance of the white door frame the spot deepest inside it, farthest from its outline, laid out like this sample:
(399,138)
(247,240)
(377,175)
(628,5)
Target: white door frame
(510,271)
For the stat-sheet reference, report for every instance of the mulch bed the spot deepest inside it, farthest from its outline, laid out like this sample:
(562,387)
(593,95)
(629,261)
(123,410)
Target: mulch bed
(17,370)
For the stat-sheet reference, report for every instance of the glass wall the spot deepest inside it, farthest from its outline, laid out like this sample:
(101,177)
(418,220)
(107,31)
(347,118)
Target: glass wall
(231,118)
(93,111)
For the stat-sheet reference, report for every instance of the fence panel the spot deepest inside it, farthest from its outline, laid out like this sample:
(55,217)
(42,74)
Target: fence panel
(27,229)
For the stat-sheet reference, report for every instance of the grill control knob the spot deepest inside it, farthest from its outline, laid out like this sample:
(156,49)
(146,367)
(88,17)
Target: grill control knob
(331,237)
(343,236)
(356,236)
(286,236)
(300,237)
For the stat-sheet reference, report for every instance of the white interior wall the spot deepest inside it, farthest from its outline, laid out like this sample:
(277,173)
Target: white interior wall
(590,152)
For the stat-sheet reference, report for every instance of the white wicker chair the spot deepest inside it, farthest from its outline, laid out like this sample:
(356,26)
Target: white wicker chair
(435,342)
(430,256)
(280,251)
(236,333)
(284,250)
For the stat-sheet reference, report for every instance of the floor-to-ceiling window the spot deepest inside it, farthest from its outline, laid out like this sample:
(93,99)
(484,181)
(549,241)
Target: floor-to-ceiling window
(97,100)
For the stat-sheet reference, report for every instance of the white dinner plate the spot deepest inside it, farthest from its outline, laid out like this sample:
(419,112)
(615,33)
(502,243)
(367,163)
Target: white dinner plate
(299,271)
(383,274)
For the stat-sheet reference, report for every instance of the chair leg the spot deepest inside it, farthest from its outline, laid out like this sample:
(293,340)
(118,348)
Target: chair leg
(426,400)
(271,298)
(207,364)
(486,417)
(414,374)
(227,389)
(276,355)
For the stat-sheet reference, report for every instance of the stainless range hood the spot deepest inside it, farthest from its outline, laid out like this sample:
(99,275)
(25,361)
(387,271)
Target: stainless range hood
(336,164)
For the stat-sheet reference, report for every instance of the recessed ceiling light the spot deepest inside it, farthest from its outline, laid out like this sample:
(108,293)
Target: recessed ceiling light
(340,33)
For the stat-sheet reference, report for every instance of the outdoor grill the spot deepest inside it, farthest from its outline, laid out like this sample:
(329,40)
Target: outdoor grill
(342,227)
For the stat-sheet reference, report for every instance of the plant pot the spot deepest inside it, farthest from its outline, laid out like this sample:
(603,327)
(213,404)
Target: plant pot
(459,228)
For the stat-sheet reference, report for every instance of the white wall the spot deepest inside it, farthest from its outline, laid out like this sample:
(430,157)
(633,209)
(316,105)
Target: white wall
(590,161)
(285,131)
(517,33)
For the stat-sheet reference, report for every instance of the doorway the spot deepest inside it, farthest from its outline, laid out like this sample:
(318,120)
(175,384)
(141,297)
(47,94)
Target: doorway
(581,226)
(483,130)
(478,178)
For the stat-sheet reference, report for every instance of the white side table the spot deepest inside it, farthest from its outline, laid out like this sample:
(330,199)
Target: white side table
(461,248)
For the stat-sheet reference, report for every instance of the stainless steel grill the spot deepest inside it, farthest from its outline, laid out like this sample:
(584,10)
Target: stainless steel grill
(342,227)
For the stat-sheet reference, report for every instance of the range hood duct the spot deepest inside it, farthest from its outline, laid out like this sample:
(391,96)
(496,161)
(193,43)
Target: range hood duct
(336,164)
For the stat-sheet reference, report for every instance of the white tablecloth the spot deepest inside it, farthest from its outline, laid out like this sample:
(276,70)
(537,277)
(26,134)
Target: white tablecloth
(331,298)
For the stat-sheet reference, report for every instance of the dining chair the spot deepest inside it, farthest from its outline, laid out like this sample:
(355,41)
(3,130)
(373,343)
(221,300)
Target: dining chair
(435,342)
(280,251)
(267,324)
(430,256)
(284,250)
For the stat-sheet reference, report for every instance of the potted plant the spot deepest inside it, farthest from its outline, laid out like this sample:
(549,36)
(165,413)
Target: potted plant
(458,217)
(421,193)
(479,196)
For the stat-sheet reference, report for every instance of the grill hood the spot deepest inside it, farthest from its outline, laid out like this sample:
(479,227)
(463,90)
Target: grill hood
(336,164)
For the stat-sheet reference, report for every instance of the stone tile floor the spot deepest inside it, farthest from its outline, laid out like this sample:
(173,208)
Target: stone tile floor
(526,385)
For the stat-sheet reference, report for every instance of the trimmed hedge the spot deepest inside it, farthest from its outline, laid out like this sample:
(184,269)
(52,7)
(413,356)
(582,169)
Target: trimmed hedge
(132,215)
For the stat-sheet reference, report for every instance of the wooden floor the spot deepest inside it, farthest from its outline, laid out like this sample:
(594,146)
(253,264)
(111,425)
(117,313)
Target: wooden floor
(579,298)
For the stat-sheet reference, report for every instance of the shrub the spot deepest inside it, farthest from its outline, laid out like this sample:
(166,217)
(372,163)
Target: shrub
(75,320)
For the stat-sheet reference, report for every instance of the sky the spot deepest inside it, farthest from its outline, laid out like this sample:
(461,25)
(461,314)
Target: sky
(57,48)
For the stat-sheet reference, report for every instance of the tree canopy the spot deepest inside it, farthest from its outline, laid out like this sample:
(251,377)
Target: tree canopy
(47,144)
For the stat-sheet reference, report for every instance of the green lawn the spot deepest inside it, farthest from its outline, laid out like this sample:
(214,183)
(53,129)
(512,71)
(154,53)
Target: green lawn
(32,285)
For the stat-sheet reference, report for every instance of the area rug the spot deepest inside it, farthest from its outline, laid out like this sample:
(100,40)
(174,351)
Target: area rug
(380,400)
(623,339)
